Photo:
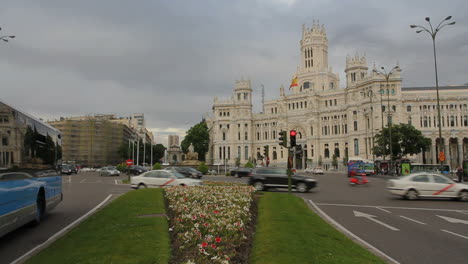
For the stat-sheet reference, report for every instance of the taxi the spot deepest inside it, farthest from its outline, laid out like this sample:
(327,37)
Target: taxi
(427,185)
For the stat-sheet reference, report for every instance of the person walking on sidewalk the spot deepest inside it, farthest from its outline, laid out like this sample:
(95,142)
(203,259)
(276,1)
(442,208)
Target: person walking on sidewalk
(460,174)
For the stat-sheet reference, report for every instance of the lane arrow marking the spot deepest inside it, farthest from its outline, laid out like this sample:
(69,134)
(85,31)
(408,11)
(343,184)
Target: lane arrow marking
(371,217)
(453,220)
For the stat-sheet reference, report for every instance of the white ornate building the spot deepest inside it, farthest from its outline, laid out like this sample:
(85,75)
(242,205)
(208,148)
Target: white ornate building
(332,120)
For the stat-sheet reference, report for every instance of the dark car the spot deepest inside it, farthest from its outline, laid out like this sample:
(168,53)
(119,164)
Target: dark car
(73,168)
(66,169)
(187,172)
(136,170)
(241,172)
(264,178)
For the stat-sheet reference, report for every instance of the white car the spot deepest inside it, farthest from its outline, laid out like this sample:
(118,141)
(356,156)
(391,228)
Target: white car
(109,171)
(316,170)
(162,178)
(424,184)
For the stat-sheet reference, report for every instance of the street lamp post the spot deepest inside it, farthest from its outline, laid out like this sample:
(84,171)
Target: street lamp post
(433,33)
(387,75)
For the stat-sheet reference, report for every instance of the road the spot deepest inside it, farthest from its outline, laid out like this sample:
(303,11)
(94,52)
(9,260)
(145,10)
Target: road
(422,231)
(82,192)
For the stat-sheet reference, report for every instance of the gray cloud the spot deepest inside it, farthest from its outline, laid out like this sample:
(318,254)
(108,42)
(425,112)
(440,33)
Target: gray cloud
(168,59)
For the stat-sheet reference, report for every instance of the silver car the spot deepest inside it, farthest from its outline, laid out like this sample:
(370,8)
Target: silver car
(109,171)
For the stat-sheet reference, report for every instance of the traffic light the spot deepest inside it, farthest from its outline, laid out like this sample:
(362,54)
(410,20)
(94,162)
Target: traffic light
(292,137)
(283,139)
(265,151)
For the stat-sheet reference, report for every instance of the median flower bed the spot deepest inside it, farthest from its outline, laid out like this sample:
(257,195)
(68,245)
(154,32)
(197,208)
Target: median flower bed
(210,224)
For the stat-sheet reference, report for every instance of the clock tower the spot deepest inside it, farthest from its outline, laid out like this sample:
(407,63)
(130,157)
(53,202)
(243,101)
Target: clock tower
(314,48)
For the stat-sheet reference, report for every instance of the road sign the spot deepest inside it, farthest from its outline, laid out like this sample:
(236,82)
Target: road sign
(441,156)
(129,162)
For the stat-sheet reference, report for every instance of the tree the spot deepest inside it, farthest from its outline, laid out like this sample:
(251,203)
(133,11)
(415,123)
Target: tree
(237,162)
(249,164)
(157,166)
(345,160)
(406,140)
(202,168)
(199,137)
(334,161)
(320,161)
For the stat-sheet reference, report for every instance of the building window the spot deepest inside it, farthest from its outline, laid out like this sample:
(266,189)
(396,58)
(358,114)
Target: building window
(326,151)
(224,136)
(452,120)
(246,136)
(326,103)
(408,108)
(465,120)
(258,135)
(356,147)
(238,136)
(394,108)
(409,121)
(246,154)
(355,125)
(311,131)
(239,152)
(4,141)
(229,153)
(306,85)
(425,121)
(220,153)
(312,150)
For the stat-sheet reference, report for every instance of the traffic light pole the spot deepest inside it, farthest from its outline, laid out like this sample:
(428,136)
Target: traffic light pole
(291,152)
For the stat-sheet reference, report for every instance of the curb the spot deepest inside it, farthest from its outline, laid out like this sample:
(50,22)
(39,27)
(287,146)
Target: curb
(62,232)
(348,233)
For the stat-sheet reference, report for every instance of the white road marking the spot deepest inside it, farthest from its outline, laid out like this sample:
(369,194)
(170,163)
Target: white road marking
(371,217)
(416,221)
(465,237)
(116,182)
(463,212)
(59,233)
(349,233)
(83,180)
(384,210)
(453,220)
(391,207)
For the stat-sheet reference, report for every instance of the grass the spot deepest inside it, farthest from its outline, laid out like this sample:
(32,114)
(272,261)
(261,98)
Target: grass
(125,181)
(116,234)
(289,232)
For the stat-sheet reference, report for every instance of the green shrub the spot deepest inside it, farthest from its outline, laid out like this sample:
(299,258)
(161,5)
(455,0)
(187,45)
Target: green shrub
(249,164)
(203,168)
(157,166)
(121,167)
(228,173)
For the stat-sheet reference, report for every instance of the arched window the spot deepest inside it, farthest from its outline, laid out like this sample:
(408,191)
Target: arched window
(275,155)
(356,146)
(332,85)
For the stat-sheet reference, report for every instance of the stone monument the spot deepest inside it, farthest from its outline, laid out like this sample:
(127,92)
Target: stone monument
(191,157)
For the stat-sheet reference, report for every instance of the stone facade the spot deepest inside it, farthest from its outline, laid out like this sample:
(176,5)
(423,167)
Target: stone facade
(333,120)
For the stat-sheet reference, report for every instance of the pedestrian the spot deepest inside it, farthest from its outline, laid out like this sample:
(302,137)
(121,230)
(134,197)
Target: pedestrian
(460,174)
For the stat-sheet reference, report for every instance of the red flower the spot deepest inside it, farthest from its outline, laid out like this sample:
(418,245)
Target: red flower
(202,215)
(205,224)
(218,239)
(213,245)
(204,244)
(194,217)
(216,211)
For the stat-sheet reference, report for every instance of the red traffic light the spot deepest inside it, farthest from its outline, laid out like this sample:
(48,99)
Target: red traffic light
(292,133)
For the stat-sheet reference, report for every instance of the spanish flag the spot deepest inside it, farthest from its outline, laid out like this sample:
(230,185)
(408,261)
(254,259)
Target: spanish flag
(293,83)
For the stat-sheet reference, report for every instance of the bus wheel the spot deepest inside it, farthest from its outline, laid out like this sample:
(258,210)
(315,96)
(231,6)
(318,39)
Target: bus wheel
(40,207)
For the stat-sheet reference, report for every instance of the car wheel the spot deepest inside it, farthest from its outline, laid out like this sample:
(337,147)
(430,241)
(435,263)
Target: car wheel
(259,186)
(301,187)
(463,196)
(142,186)
(412,195)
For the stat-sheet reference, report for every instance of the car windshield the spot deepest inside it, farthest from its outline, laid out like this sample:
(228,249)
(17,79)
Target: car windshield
(178,175)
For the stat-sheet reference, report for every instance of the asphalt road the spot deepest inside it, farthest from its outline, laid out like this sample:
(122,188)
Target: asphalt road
(82,192)
(407,231)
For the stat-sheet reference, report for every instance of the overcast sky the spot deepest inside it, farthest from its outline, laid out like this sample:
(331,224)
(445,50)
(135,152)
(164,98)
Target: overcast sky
(168,59)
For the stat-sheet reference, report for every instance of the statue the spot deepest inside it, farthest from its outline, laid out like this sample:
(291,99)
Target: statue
(191,158)
(191,154)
